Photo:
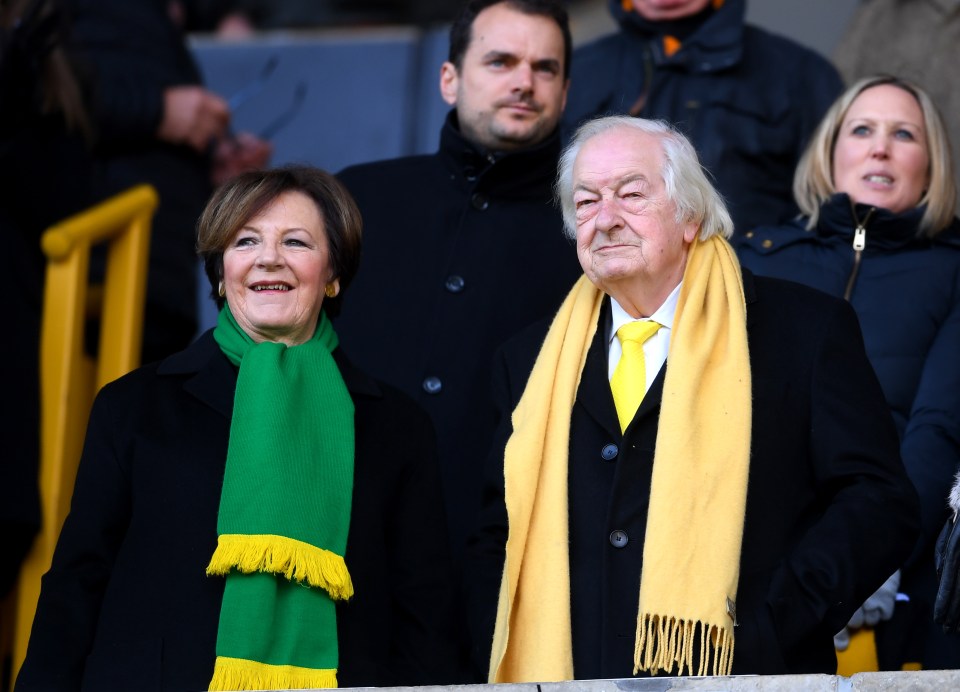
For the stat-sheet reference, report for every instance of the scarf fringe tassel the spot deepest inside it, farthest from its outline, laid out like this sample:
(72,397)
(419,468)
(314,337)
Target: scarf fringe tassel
(293,559)
(665,641)
(241,674)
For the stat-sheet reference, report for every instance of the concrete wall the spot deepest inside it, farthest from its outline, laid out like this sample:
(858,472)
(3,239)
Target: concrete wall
(923,681)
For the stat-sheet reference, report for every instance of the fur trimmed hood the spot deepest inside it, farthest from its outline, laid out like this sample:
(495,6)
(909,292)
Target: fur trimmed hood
(955,495)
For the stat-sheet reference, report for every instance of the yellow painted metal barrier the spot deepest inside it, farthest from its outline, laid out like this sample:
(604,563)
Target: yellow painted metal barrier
(860,655)
(69,379)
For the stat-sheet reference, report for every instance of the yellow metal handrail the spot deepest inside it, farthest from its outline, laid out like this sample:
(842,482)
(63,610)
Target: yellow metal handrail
(69,379)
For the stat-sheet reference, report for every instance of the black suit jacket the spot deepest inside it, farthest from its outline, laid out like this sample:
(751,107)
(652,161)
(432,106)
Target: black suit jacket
(830,512)
(127,605)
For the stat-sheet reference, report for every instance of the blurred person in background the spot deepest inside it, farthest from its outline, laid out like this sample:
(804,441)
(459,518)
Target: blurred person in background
(746,98)
(154,122)
(45,169)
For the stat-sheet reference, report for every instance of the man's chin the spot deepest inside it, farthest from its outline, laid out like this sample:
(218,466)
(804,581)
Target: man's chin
(520,137)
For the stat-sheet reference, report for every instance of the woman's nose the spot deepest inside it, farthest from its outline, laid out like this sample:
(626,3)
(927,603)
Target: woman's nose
(269,255)
(880,147)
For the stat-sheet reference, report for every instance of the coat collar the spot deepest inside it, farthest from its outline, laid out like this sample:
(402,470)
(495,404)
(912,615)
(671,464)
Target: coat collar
(517,174)
(885,230)
(211,378)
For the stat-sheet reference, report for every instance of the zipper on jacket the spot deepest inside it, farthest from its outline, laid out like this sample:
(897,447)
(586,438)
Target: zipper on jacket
(859,243)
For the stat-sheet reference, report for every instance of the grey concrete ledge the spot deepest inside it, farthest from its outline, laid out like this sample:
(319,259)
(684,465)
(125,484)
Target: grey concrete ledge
(920,681)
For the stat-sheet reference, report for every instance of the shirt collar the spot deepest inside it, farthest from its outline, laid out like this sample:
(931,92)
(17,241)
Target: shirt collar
(664,314)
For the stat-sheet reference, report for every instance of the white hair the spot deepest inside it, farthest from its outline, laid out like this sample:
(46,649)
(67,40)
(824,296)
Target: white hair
(684,177)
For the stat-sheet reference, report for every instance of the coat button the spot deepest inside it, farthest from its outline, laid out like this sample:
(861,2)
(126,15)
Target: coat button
(619,539)
(454,283)
(767,243)
(609,452)
(479,202)
(432,385)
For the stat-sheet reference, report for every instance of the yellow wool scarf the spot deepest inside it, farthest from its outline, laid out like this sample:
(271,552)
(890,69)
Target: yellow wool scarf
(691,557)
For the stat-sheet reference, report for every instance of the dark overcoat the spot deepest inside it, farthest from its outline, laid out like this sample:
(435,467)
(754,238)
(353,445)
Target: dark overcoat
(830,512)
(127,605)
(461,250)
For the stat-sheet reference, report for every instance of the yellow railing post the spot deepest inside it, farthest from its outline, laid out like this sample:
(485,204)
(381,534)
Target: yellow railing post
(69,379)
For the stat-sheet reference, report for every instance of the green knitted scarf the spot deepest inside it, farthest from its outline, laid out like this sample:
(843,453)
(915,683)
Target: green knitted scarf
(284,513)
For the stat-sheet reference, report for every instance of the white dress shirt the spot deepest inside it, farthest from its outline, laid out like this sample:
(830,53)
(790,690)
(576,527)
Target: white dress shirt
(656,347)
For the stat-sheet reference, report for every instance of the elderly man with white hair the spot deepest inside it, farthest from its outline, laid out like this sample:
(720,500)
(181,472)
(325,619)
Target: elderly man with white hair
(696,472)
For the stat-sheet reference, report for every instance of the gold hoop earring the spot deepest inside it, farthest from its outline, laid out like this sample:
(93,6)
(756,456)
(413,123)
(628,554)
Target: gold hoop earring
(331,291)
(220,290)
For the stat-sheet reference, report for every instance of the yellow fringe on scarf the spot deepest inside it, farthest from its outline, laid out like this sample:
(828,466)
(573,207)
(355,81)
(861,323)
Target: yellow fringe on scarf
(698,488)
(241,674)
(663,641)
(293,559)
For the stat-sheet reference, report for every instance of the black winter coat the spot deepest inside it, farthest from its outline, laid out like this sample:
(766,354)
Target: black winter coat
(127,605)
(830,512)
(905,289)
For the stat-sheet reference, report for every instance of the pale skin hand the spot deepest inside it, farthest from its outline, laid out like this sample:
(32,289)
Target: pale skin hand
(193,116)
(238,154)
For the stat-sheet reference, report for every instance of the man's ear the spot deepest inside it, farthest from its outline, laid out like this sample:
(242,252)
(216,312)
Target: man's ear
(449,83)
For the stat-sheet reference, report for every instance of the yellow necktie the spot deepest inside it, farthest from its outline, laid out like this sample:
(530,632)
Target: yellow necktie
(629,381)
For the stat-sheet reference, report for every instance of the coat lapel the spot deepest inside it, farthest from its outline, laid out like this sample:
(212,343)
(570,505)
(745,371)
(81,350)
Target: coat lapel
(213,379)
(750,296)
(651,400)
(594,393)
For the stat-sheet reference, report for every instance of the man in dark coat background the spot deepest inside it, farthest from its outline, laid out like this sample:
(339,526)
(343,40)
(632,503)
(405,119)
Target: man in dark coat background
(463,248)
(746,98)
(823,511)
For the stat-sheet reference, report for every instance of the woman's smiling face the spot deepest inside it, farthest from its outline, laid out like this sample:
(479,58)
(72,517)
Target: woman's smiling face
(276,269)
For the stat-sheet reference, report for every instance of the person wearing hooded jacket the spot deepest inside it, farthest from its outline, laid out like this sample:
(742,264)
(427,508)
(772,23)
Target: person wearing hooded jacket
(878,193)
(746,98)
